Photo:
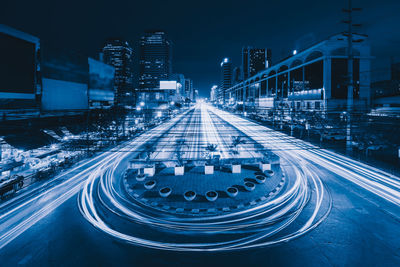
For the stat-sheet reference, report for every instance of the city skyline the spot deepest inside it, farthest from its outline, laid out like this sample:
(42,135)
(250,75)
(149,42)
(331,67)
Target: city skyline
(212,133)
(191,40)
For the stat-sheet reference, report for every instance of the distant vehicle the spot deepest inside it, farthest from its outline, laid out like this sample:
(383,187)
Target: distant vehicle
(334,136)
(11,185)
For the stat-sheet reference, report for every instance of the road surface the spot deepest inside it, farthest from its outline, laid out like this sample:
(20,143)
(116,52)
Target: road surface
(46,226)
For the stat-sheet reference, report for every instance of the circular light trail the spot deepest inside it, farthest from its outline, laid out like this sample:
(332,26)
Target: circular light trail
(299,208)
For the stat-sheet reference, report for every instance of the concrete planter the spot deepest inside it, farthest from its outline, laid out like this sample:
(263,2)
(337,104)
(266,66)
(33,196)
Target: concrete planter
(165,191)
(141,177)
(260,179)
(249,186)
(179,170)
(269,173)
(189,195)
(236,168)
(264,166)
(149,170)
(149,185)
(208,169)
(211,196)
(232,191)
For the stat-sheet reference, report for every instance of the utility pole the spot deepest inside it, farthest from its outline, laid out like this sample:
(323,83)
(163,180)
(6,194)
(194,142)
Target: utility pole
(350,85)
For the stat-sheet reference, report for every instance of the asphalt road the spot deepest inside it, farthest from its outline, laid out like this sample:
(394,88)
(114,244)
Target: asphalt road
(47,228)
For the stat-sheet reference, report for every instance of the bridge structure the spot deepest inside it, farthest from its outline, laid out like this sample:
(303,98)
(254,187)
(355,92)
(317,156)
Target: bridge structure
(314,79)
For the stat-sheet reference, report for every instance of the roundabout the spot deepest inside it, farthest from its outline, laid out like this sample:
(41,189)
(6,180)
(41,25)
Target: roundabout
(231,205)
(196,193)
(287,212)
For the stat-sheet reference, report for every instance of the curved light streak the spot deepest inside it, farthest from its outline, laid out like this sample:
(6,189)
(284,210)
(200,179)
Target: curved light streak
(266,224)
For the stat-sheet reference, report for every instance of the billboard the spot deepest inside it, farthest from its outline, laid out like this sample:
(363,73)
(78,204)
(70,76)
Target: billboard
(17,64)
(63,95)
(169,85)
(65,76)
(101,82)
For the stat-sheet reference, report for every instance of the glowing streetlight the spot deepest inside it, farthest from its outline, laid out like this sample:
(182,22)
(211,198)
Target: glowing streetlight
(294,52)
(142,104)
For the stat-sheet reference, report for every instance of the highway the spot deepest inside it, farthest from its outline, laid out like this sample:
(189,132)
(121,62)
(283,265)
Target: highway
(331,206)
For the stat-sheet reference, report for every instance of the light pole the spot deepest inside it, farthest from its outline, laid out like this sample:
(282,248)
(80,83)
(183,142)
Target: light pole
(350,82)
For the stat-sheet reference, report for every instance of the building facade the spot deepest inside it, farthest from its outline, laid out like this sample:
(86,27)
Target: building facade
(155,60)
(226,80)
(189,90)
(119,54)
(237,75)
(255,60)
(313,79)
(180,83)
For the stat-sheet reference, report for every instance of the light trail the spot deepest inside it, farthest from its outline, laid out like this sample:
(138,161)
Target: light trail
(20,218)
(372,179)
(262,225)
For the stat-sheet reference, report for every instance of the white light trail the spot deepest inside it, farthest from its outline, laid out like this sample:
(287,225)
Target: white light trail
(257,226)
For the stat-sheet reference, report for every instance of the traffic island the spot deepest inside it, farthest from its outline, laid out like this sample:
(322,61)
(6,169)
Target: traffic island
(198,194)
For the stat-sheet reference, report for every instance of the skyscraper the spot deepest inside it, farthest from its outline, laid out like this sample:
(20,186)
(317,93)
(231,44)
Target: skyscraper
(180,80)
(155,60)
(255,60)
(119,54)
(188,88)
(237,75)
(226,79)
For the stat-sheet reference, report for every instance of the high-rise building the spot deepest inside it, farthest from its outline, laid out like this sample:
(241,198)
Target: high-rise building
(255,60)
(180,82)
(237,75)
(119,54)
(188,89)
(213,93)
(226,79)
(155,60)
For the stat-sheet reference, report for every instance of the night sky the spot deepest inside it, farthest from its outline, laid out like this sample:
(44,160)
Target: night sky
(204,32)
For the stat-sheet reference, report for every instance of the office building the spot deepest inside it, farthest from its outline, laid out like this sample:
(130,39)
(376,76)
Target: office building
(155,60)
(189,90)
(237,75)
(255,60)
(226,80)
(119,54)
(213,93)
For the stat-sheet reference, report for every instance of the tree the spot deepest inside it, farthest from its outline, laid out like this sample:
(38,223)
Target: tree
(210,148)
(149,150)
(180,143)
(236,141)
